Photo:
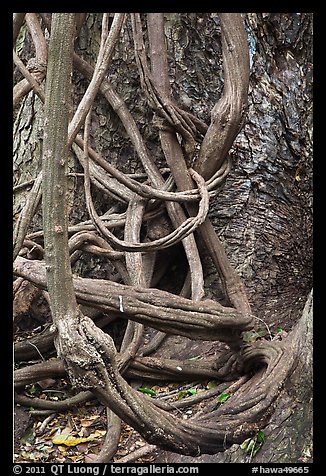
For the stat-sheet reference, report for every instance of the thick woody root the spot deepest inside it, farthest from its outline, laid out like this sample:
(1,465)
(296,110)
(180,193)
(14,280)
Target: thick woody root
(204,320)
(92,363)
(226,367)
(241,416)
(246,411)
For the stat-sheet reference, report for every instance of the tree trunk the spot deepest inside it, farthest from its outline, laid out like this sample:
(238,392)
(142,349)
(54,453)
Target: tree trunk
(289,431)
(267,231)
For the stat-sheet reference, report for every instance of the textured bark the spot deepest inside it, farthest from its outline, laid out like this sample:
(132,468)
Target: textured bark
(289,431)
(204,320)
(267,232)
(54,168)
(228,114)
(263,217)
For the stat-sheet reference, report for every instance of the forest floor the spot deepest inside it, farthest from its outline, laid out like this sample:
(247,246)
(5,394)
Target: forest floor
(77,435)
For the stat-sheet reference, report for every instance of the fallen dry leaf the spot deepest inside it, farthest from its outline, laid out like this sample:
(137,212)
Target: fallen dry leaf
(85,422)
(69,440)
(90,458)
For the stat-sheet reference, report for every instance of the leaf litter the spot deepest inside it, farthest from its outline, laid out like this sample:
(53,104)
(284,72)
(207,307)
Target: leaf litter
(77,435)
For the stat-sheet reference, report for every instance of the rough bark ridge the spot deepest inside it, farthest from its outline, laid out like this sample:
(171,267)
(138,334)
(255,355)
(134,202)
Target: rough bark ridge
(163,204)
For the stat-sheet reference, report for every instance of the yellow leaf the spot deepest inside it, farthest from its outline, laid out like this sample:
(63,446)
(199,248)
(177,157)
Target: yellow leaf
(62,449)
(69,440)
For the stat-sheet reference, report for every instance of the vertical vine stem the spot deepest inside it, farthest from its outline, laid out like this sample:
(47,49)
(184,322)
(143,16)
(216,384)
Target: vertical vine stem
(228,114)
(113,421)
(108,42)
(55,153)
(26,215)
(39,62)
(170,145)
(219,136)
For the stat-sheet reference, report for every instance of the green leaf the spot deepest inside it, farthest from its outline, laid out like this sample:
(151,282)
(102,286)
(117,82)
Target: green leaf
(245,444)
(192,391)
(252,445)
(34,390)
(223,397)
(279,329)
(255,451)
(257,447)
(148,391)
(182,394)
(249,446)
(261,438)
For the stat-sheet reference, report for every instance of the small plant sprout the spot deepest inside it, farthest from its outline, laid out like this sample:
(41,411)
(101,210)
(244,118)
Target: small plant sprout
(251,446)
(223,397)
(147,391)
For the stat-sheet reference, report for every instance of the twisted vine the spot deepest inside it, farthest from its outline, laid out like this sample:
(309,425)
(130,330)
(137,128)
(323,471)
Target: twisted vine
(85,352)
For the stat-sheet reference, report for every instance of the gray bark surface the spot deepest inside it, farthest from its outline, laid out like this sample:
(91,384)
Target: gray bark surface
(263,216)
(288,434)
(264,219)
